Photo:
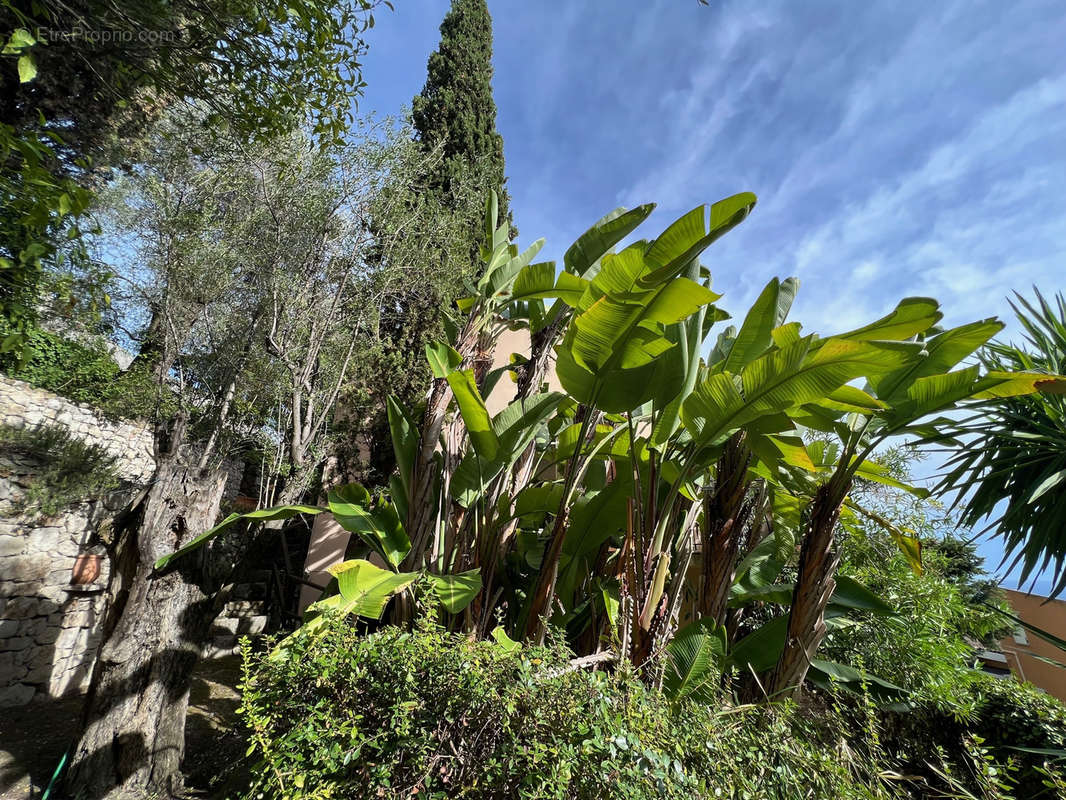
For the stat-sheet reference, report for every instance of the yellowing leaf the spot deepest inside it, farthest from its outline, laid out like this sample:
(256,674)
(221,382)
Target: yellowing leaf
(1011,384)
(27,68)
(365,589)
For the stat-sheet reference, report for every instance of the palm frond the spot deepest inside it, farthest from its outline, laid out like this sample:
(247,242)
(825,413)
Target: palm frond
(1010,467)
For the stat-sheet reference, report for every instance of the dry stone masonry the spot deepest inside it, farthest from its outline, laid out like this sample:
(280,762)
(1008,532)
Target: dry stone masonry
(21,405)
(49,628)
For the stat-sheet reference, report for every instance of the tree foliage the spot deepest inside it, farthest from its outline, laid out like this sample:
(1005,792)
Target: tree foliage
(79,80)
(250,285)
(1007,459)
(68,469)
(106,69)
(456,110)
(420,262)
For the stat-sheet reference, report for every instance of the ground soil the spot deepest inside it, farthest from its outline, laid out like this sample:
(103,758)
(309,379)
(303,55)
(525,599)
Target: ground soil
(34,737)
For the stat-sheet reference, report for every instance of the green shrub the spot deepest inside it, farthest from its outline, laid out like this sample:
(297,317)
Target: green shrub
(80,372)
(1008,715)
(86,373)
(70,469)
(1001,714)
(431,714)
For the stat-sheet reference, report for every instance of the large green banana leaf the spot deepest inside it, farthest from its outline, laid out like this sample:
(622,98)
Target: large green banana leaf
(498,280)
(540,282)
(365,589)
(514,428)
(260,515)
(679,368)
(941,353)
(456,591)
(930,394)
(442,359)
(689,236)
(763,565)
(829,674)
(761,648)
(782,380)
(494,233)
(848,594)
(910,317)
(476,416)
(591,246)
(404,432)
(756,332)
(607,358)
(378,525)
(594,518)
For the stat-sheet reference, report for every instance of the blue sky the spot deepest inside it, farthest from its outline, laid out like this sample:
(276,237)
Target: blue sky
(897,149)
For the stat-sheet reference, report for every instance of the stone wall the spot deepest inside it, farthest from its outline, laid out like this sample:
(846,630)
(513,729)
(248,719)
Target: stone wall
(21,405)
(49,628)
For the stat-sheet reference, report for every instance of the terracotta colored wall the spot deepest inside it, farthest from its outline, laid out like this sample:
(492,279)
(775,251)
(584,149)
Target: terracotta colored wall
(1049,615)
(326,548)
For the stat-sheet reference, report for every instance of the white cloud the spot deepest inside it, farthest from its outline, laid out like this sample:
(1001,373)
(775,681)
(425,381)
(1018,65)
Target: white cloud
(696,114)
(948,235)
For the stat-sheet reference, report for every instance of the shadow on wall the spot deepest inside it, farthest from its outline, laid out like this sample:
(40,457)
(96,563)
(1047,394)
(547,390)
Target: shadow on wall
(51,648)
(48,625)
(48,637)
(48,628)
(34,737)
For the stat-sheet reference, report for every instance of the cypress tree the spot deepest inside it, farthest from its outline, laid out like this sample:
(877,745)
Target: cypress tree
(432,221)
(456,111)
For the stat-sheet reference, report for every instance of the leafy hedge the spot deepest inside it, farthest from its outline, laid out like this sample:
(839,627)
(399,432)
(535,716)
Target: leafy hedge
(1004,714)
(430,714)
(77,371)
(86,373)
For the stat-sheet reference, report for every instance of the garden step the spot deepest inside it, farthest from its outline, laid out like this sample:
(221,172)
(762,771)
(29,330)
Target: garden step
(240,626)
(221,646)
(243,608)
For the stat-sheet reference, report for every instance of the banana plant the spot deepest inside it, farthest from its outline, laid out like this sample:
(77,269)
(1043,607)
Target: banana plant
(672,479)
(610,357)
(928,380)
(480,471)
(473,345)
(737,447)
(511,292)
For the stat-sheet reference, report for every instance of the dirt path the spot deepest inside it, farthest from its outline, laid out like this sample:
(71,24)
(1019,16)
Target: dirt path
(33,738)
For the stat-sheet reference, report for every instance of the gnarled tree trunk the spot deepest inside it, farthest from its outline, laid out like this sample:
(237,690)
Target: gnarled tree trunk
(725,519)
(814,586)
(132,734)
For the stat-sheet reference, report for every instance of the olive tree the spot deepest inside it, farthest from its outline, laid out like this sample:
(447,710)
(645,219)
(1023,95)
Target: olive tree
(249,271)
